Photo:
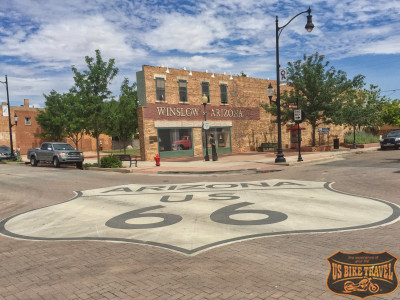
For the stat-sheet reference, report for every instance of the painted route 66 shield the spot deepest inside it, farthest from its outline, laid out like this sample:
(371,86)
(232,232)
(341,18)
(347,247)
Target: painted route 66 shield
(192,217)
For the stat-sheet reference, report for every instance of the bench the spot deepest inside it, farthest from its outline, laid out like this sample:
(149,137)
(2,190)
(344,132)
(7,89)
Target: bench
(267,146)
(126,157)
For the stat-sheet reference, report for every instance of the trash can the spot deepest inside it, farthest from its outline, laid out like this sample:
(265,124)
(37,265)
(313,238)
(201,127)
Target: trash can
(335,143)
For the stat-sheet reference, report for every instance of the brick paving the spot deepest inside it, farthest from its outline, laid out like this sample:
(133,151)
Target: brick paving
(283,267)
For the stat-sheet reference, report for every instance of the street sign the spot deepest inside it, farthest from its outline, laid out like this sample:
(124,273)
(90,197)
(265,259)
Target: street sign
(323,130)
(5,111)
(206,125)
(297,115)
(283,76)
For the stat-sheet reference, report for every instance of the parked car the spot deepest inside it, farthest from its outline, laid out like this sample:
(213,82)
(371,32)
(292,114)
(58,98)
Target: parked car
(392,140)
(5,152)
(57,154)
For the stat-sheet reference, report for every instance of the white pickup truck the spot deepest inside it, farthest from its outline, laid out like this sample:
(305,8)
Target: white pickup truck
(57,154)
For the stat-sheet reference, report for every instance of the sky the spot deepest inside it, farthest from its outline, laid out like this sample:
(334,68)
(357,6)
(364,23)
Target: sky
(40,40)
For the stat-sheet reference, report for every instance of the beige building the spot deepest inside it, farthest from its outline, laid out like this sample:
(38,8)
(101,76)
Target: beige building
(171,113)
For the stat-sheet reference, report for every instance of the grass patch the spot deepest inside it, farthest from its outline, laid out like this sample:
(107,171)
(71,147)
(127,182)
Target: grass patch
(362,137)
(18,159)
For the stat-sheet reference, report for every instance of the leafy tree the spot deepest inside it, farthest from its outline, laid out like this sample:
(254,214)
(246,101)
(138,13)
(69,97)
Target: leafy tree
(76,117)
(362,108)
(62,118)
(121,116)
(52,120)
(92,87)
(391,112)
(319,88)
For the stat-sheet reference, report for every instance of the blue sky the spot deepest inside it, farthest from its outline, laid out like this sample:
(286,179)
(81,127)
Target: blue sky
(41,39)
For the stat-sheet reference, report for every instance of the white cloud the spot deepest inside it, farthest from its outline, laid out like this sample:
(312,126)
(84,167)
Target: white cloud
(191,34)
(68,41)
(42,39)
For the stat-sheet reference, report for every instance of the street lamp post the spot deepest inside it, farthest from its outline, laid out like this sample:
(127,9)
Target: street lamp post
(309,26)
(9,118)
(204,99)
(299,158)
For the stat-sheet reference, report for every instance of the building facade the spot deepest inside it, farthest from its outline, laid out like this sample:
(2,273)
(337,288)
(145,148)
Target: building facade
(171,113)
(26,133)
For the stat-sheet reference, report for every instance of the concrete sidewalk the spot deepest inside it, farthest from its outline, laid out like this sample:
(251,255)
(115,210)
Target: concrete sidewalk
(256,162)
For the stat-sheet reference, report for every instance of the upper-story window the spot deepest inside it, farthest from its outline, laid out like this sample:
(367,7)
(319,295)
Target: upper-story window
(205,90)
(160,89)
(182,91)
(224,94)
(28,121)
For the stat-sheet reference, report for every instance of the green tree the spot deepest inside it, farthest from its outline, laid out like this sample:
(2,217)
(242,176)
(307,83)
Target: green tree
(64,117)
(391,112)
(76,117)
(362,108)
(122,114)
(92,87)
(320,90)
(52,120)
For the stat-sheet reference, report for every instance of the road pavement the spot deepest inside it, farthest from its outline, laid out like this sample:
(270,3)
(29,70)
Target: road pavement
(184,247)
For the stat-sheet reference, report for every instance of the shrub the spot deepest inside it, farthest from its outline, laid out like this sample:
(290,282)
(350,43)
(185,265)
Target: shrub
(110,161)
(362,137)
(88,165)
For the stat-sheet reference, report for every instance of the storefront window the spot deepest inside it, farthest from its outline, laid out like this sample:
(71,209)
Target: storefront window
(175,139)
(222,138)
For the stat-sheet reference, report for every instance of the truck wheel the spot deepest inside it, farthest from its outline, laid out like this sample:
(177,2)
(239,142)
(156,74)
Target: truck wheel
(34,162)
(79,165)
(56,162)
(180,147)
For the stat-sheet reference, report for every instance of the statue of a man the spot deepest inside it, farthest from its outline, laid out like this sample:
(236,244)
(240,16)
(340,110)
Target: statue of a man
(214,148)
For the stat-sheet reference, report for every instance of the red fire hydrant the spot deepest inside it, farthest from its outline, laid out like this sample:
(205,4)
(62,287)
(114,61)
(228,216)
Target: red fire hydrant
(157,159)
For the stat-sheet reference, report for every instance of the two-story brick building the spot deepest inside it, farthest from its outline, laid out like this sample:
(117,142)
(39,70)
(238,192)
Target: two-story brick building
(25,134)
(171,110)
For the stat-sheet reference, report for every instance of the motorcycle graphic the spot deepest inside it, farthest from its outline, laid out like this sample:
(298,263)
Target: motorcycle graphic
(362,286)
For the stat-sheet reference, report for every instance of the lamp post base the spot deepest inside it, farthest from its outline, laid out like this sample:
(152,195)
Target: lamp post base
(280,158)
(207,158)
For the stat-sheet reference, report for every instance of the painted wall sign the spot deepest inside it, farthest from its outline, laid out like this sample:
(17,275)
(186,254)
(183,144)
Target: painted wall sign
(196,112)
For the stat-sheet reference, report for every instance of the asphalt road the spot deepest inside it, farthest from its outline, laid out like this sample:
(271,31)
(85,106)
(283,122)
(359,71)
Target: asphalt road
(281,267)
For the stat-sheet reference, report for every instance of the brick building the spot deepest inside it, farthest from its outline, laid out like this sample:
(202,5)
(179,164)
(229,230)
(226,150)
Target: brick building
(171,110)
(25,133)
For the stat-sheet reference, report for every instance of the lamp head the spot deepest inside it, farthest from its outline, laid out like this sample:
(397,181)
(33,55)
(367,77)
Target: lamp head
(15,118)
(204,99)
(270,92)
(309,26)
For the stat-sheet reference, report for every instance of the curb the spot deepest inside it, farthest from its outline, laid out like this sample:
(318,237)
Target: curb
(118,170)
(255,170)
